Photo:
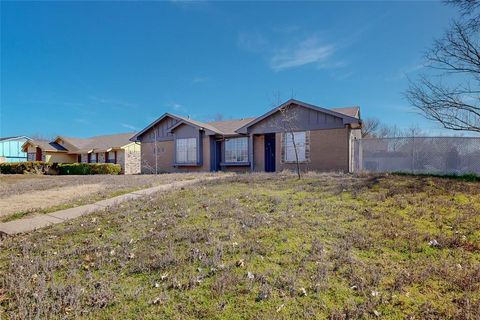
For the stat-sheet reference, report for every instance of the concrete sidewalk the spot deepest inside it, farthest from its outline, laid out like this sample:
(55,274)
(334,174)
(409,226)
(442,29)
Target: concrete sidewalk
(47,219)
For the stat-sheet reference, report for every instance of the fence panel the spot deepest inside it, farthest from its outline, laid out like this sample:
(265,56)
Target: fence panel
(439,155)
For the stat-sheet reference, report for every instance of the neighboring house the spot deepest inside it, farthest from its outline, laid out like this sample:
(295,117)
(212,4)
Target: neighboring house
(323,138)
(11,149)
(116,148)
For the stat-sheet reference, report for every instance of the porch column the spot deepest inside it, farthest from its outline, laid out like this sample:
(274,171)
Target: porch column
(250,151)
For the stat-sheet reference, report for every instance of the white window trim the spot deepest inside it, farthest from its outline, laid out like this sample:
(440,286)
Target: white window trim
(191,156)
(301,146)
(236,151)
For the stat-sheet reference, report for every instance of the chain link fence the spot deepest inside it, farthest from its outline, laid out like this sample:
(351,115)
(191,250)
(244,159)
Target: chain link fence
(437,155)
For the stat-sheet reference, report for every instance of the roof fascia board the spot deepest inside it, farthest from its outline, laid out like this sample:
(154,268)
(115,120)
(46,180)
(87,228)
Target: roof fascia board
(166,114)
(346,119)
(188,123)
(16,138)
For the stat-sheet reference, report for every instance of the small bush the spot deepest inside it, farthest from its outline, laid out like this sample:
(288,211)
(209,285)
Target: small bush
(37,167)
(40,167)
(89,168)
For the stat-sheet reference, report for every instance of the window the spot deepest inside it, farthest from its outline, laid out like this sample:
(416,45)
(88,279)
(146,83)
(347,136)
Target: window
(289,149)
(93,157)
(186,150)
(110,157)
(236,150)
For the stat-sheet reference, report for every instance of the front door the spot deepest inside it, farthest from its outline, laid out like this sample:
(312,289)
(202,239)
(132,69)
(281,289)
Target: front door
(218,155)
(270,152)
(38,154)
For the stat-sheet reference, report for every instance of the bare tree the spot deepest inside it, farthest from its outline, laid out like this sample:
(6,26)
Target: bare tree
(370,127)
(385,131)
(218,117)
(288,120)
(450,94)
(287,124)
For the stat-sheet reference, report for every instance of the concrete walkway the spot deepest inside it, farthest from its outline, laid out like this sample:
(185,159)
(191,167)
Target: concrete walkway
(47,219)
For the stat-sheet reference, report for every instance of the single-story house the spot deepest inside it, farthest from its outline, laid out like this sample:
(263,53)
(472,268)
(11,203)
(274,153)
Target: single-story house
(11,149)
(323,139)
(116,148)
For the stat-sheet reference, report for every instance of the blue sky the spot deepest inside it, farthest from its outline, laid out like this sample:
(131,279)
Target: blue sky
(91,68)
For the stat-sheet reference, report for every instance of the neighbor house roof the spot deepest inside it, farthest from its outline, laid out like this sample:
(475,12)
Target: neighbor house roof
(98,143)
(14,138)
(45,145)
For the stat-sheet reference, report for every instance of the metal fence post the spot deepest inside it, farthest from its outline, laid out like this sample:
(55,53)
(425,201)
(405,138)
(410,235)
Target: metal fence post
(413,154)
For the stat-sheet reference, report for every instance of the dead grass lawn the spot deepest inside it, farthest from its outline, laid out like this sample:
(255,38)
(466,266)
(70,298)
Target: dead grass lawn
(259,247)
(22,195)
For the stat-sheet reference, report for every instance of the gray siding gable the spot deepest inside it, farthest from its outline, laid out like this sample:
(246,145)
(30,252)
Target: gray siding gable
(307,117)
(161,128)
(302,119)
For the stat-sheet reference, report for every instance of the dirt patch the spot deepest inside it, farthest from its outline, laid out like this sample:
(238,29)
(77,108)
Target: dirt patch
(41,199)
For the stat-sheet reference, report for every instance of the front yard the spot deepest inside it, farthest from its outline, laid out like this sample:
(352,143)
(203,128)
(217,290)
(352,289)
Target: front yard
(259,246)
(24,195)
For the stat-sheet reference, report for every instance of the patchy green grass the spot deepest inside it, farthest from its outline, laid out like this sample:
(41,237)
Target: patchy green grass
(259,246)
(26,195)
(71,204)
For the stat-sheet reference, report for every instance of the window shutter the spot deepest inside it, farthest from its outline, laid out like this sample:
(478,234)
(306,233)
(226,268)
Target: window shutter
(307,146)
(282,142)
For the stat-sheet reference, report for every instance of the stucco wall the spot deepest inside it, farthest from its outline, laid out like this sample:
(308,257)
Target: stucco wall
(59,157)
(329,151)
(259,153)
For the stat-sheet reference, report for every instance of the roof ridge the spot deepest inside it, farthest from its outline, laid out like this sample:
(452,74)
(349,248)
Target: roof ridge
(100,136)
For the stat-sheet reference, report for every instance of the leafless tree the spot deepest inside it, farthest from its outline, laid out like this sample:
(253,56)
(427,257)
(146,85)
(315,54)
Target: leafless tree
(288,120)
(450,93)
(370,127)
(287,124)
(218,117)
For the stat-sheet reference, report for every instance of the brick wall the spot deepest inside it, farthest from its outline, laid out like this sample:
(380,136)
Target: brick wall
(259,153)
(329,151)
(165,158)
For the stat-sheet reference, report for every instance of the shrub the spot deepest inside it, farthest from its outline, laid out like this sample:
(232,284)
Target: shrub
(89,168)
(37,167)
(40,167)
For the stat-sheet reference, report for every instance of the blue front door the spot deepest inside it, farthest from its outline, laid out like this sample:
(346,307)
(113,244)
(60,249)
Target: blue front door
(270,152)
